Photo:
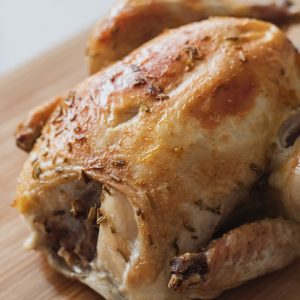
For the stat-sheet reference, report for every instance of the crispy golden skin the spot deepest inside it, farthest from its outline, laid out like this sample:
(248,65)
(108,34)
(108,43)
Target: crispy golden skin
(173,137)
(133,22)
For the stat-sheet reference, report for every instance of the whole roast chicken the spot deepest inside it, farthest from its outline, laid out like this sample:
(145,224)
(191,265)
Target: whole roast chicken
(173,173)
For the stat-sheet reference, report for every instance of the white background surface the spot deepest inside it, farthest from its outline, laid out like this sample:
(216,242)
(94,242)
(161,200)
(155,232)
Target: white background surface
(31,27)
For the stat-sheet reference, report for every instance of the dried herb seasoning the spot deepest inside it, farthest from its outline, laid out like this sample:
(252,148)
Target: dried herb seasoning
(96,167)
(92,215)
(115,177)
(77,129)
(148,199)
(154,91)
(135,68)
(100,218)
(58,117)
(188,227)
(200,203)
(54,159)
(58,133)
(69,101)
(36,172)
(161,97)
(70,147)
(45,154)
(74,209)
(86,178)
(119,163)
(193,54)
(242,57)
(81,137)
(205,38)
(144,107)
(73,117)
(106,189)
(256,169)
(139,81)
(232,38)
(59,170)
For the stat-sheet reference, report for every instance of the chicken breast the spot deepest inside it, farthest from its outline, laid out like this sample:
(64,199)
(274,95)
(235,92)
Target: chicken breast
(131,23)
(144,164)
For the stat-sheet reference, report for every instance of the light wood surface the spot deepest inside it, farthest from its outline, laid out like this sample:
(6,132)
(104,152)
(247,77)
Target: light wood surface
(26,275)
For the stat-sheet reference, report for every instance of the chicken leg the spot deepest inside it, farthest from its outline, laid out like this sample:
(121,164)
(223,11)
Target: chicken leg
(242,254)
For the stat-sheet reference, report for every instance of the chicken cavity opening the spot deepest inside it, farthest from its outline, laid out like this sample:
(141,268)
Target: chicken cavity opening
(290,131)
(67,226)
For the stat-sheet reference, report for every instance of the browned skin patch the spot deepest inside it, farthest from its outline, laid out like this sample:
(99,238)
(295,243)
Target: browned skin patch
(235,97)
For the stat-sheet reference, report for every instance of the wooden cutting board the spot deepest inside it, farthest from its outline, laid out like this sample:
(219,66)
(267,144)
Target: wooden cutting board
(26,275)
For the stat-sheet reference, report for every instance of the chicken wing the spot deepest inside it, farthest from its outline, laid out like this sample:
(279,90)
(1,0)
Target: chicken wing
(28,131)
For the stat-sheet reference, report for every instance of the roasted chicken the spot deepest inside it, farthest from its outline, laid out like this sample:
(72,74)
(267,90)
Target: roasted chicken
(173,173)
(131,23)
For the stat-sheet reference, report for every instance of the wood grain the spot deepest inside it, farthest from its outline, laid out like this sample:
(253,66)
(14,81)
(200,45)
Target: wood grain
(26,275)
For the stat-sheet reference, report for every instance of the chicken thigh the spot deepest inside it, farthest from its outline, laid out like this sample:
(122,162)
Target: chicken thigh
(139,169)
(133,22)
